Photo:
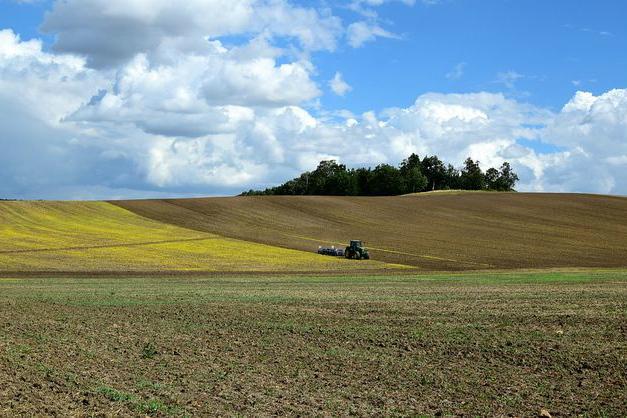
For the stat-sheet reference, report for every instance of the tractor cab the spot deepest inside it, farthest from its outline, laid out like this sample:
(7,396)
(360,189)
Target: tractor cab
(356,250)
(355,244)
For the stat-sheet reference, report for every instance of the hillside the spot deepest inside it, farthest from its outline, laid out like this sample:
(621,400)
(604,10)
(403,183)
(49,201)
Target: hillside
(96,237)
(433,231)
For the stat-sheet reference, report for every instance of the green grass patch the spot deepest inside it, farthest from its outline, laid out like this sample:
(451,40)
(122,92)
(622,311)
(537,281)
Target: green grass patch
(115,395)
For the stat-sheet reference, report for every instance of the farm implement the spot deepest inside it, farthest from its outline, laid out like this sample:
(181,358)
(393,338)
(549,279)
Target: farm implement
(332,251)
(355,251)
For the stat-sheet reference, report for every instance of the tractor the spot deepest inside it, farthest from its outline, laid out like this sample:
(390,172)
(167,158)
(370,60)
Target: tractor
(356,250)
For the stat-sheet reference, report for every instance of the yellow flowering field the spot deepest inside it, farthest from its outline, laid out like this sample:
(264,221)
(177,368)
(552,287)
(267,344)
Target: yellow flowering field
(98,236)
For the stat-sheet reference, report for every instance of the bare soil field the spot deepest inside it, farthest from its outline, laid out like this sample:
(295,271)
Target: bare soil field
(128,332)
(430,231)
(468,344)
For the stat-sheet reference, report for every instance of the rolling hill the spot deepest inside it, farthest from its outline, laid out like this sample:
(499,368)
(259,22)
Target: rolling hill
(427,232)
(97,237)
(430,231)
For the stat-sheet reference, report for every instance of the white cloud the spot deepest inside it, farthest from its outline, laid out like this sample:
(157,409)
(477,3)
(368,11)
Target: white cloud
(594,128)
(37,90)
(179,114)
(47,84)
(457,72)
(509,78)
(338,85)
(111,32)
(199,95)
(359,33)
(367,7)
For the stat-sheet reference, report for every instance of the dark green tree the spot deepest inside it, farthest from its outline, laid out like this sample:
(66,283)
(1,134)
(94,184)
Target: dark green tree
(321,180)
(386,180)
(411,162)
(472,178)
(342,183)
(491,179)
(412,175)
(363,178)
(452,178)
(507,178)
(433,168)
(411,172)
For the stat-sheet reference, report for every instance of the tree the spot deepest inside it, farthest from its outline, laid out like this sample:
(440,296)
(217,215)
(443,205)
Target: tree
(411,171)
(433,168)
(386,180)
(472,177)
(409,163)
(363,178)
(452,178)
(414,181)
(342,183)
(321,181)
(491,179)
(411,176)
(507,178)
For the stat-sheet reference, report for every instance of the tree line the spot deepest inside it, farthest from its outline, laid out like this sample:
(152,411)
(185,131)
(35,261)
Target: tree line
(413,175)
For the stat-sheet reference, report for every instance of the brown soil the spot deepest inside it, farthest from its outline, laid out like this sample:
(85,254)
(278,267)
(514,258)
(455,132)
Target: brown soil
(474,345)
(433,231)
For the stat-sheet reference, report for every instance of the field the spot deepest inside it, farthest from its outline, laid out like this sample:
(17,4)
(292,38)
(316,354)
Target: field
(97,237)
(466,344)
(430,231)
(483,304)
(273,234)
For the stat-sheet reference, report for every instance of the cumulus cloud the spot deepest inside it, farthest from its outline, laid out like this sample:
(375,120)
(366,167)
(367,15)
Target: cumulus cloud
(37,90)
(198,94)
(176,111)
(49,85)
(111,32)
(594,129)
(338,85)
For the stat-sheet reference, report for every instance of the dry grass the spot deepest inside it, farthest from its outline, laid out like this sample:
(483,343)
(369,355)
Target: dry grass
(432,231)
(97,236)
(473,345)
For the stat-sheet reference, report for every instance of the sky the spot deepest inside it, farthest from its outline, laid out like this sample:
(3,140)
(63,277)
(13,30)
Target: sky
(108,99)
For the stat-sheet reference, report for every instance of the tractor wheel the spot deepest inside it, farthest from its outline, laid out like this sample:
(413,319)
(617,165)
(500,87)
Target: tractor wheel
(367,257)
(357,255)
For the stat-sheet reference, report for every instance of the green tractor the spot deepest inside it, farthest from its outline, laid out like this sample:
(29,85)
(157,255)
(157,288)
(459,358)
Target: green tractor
(356,251)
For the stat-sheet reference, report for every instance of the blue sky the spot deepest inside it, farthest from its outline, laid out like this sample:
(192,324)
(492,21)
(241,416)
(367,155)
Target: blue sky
(552,49)
(24,18)
(549,44)
(493,79)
